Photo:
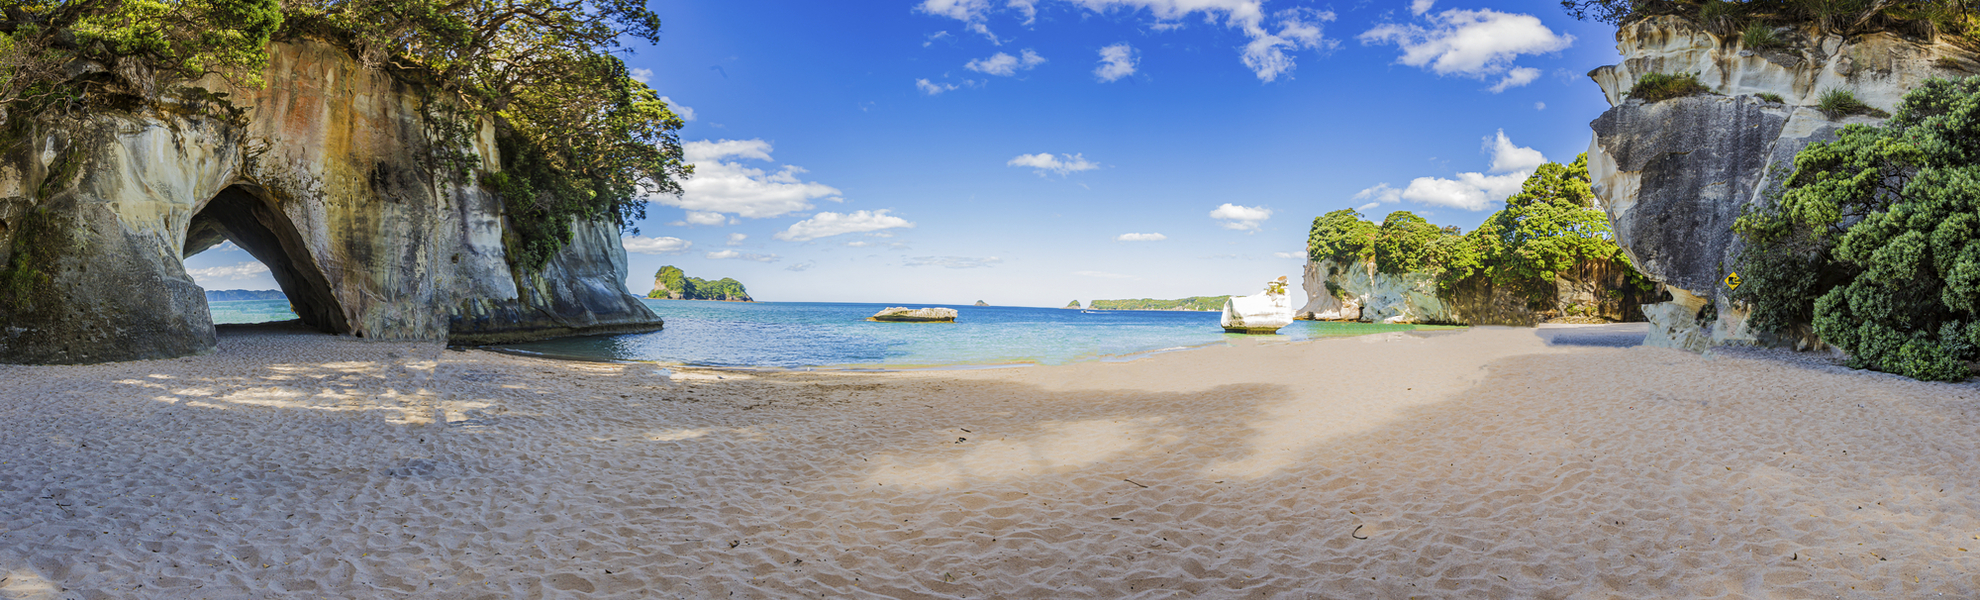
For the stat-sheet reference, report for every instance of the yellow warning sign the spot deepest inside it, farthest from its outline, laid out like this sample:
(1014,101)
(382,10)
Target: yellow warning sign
(1732,281)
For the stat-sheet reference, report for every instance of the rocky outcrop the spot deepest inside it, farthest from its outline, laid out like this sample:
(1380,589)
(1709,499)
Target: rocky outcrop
(329,174)
(1356,291)
(1674,175)
(902,314)
(1262,313)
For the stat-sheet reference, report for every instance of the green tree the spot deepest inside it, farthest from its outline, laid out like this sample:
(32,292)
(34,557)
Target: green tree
(1875,239)
(1342,236)
(1407,243)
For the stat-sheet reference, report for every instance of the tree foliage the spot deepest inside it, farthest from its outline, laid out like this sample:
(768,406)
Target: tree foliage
(671,279)
(580,138)
(1550,227)
(1874,239)
(1956,17)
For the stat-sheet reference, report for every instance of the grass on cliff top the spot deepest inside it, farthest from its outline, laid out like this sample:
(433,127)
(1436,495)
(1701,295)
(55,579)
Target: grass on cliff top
(1839,103)
(1658,87)
(1758,36)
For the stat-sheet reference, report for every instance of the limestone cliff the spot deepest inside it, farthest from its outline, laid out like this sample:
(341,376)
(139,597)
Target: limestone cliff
(1356,291)
(328,174)
(1674,175)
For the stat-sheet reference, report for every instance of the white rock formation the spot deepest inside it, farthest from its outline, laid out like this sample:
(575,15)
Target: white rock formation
(902,314)
(1261,313)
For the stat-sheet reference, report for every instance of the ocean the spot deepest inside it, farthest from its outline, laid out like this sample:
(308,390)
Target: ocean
(836,335)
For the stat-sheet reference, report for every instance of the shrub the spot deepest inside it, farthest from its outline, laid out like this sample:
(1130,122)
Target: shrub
(1341,236)
(1758,36)
(1838,103)
(1774,98)
(1874,239)
(1658,87)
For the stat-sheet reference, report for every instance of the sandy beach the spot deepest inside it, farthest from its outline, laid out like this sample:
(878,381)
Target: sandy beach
(1487,463)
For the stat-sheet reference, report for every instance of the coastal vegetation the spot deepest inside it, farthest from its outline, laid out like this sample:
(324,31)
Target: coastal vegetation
(579,137)
(1959,18)
(1549,228)
(1190,303)
(1657,87)
(671,283)
(1874,239)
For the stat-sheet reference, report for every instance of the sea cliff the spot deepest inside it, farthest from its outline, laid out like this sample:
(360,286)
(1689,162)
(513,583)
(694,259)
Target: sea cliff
(1356,290)
(332,174)
(1673,175)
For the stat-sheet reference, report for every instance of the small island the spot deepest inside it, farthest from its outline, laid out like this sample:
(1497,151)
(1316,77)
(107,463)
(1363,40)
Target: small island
(670,283)
(1073,305)
(902,314)
(982,303)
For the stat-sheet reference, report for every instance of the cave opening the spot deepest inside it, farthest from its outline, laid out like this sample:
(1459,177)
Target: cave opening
(252,223)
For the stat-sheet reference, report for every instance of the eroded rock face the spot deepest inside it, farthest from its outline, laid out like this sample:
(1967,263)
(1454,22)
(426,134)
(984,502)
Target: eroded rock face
(328,177)
(1356,291)
(902,314)
(1674,175)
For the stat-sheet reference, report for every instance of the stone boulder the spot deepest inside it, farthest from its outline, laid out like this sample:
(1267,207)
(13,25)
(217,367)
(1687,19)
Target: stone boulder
(902,314)
(1262,313)
(329,175)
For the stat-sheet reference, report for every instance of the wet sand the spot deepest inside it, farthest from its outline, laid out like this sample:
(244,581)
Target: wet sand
(1557,462)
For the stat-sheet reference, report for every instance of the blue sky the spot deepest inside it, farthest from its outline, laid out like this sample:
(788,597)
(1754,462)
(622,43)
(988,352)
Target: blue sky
(946,151)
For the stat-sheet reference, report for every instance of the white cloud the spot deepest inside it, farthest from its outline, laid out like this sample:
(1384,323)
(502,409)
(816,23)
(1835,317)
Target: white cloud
(1006,65)
(237,272)
(701,218)
(803,266)
(1116,61)
(642,76)
(973,13)
(1519,76)
(827,224)
(737,238)
(1029,8)
(931,88)
(952,262)
(1242,218)
(727,186)
(655,245)
(860,244)
(930,41)
(1289,255)
(1511,165)
(680,110)
(1046,163)
(1368,205)
(731,254)
(1472,43)
(1102,275)
(1418,7)
(1140,237)
(1299,28)
(1539,106)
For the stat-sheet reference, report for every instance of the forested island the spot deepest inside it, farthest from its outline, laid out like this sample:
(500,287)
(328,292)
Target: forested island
(673,284)
(1190,303)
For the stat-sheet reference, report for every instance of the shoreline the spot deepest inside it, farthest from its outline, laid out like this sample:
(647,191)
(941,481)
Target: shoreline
(1488,462)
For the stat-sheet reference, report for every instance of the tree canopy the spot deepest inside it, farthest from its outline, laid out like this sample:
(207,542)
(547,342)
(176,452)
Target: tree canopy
(580,137)
(1955,17)
(1874,239)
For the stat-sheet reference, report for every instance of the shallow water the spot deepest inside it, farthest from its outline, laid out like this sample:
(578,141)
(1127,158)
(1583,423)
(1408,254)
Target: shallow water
(250,311)
(837,335)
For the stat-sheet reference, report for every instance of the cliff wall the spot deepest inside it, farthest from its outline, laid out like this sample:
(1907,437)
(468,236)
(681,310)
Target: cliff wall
(1356,291)
(327,174)
(1674,175)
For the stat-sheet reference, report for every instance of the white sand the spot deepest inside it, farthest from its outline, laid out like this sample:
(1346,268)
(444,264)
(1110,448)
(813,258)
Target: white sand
(1481,464)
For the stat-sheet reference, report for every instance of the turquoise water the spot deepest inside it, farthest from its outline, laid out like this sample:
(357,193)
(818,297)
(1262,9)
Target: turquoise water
(837,335)
(250,311)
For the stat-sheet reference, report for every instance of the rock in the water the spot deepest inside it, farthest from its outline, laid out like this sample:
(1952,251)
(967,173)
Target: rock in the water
(902,314)
(982,303)
(1263,313)
(328,176)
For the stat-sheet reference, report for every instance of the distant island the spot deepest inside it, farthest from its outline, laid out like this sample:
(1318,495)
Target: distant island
(1190,303)
(1073,305)
(231,295)
(673,284)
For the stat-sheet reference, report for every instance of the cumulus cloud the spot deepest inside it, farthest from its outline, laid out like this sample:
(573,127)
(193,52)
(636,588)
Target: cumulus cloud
(236,272)
(973,13)
(827,224)
(1298,28)
(1005,65)
(655,245)
(1116,61)
(1140,237)
(1298,255)
(1242,218)
(1511,165)
(1479,44)
(1418,7)
(933,88)
(1045,163)
(680,110)
(952,262)
(1102,275)
(731,254)
(642,76)
(723,184)
(736,239)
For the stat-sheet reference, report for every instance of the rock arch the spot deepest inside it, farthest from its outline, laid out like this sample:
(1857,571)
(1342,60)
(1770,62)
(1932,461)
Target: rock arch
(250,221)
